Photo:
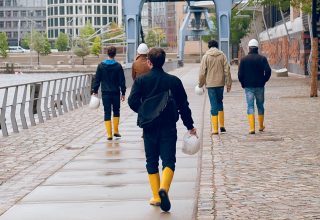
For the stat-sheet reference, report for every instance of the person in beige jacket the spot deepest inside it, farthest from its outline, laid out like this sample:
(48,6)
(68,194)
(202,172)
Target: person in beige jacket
(215,74)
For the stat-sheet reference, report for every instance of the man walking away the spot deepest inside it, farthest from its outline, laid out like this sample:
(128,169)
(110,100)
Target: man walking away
(111,77)
(215,74)
(140,66)
(160,139)
(254,72)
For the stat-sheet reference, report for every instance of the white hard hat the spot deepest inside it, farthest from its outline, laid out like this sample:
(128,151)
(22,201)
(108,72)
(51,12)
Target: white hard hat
(253,43)
(191,144)
(198,90)
(143,49)
(94,102)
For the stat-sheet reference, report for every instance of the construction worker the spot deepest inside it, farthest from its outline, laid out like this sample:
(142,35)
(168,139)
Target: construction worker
(254,72)
(160,139)
(111,77)
(140,66)
(215,74)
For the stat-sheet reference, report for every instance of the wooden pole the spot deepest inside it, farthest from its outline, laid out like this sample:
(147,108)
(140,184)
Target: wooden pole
(314,67)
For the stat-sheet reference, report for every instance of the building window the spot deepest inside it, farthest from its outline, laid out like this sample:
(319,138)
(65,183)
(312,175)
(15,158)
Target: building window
(62,23)
(61,10)
(1,24)
(1,14)
(15,13)
(97,10)
(8,14)
(104,10)
(104,20)
(8,24)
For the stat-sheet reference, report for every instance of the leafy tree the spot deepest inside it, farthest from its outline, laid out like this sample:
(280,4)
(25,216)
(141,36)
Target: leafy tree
(87,31)
(82,49)
(40,44)
(62,42)
(151,38)
(3,45)
(114,35)
(25,41)
(96,47)
(155,36)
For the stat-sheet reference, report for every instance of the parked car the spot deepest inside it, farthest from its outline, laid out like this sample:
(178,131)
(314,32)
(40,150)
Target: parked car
(17,49)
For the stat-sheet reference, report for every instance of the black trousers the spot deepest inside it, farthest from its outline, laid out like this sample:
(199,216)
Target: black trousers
(160,142)
(111,100)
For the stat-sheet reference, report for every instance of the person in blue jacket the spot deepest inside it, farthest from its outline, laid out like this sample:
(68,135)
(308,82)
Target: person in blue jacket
(110,76)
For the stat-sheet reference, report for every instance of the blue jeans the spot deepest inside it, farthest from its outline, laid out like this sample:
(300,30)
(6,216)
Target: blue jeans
(258,94)
(216,97)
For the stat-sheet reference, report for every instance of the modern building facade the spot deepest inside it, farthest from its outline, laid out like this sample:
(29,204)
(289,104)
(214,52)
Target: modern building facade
(69,16)
(17,17)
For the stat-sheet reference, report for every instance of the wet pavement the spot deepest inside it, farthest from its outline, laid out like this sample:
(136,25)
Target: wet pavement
(66,169)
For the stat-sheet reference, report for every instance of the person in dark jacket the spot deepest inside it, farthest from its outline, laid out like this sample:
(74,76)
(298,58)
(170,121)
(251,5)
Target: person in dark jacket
(111,77)
(160,140)
(254,72)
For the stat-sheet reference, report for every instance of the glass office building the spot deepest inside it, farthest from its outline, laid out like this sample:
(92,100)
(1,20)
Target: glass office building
(69,16)
(17,17)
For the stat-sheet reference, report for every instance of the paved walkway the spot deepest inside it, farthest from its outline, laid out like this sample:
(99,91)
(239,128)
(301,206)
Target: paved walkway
(65,169)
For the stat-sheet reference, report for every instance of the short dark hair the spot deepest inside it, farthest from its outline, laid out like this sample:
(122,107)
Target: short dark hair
(157,57)
(213,43)
(111,51)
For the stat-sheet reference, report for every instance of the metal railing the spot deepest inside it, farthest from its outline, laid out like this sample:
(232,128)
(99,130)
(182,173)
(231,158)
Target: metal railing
(46,99)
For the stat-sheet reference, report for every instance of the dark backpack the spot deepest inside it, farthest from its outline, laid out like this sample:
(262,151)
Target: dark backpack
(152,109)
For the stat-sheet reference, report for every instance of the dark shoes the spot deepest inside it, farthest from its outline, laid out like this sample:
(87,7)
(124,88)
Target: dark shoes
(117,135)
(222,129)
(165,204)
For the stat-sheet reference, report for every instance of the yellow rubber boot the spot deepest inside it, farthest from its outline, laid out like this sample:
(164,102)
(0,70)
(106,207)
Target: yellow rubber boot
(251,124)
(167,175)
(116,127)
(154,180)
(214,121)
(109,129)
(221,121)
(261,120)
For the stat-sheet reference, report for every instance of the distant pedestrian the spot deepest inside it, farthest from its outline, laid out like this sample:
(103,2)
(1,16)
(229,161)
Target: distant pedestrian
(215,74)
(140,65)
(254,72)
(160,136)
(113,87)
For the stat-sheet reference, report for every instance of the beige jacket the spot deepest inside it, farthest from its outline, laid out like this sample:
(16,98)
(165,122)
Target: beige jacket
(214,70)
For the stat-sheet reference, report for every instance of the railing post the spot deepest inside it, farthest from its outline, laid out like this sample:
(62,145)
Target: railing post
(38,101)
(59,98)
(23,107)
(3,114)
(52,104)
(31,107)
(13,111)
(46,108)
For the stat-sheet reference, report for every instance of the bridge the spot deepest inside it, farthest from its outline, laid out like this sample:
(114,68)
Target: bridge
(132,17)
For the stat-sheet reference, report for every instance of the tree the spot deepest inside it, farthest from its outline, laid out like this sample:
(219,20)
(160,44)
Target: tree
(40,44)
(62,42)
(82,49)
(155,36)
(87,31)
(96,46)
(25,41)
(114,35)
(3,45)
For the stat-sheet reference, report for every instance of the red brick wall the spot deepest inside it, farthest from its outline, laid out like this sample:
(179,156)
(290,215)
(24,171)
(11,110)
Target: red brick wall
(284,54)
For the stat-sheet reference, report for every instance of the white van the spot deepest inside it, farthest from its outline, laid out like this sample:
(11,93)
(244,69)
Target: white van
(17,49)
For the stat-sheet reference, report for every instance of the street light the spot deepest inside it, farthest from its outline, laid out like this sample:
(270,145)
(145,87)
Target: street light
(31,30)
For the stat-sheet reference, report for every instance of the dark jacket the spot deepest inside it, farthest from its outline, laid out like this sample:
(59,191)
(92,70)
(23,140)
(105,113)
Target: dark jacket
(146,86)
(140,66)
(111,76)
(254,71)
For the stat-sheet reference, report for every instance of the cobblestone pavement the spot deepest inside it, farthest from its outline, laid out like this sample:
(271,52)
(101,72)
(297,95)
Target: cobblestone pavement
(270,175)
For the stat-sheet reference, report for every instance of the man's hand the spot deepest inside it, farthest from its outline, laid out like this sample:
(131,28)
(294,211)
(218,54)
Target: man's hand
(228,88)
(193,131)
(123,98)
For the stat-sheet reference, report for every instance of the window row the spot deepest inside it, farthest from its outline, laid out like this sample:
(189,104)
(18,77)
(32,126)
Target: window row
(70,10)
(50,2)
(23,13)
(95,21)
(23,24)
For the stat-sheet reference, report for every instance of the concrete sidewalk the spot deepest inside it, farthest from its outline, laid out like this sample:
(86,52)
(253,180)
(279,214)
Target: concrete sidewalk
(65,168)
(106,179)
